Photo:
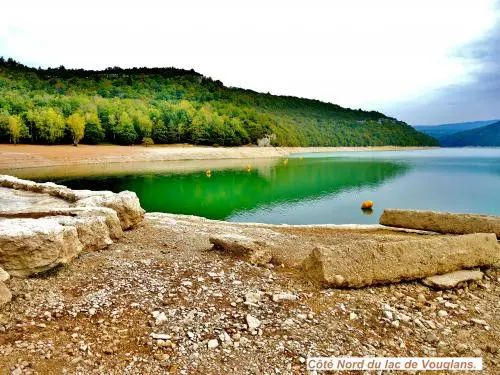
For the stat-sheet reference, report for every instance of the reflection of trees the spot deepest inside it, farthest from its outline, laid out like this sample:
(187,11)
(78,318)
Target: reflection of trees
(229,191)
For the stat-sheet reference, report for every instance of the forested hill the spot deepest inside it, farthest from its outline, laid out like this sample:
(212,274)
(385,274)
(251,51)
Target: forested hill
(486,136)
(168,105)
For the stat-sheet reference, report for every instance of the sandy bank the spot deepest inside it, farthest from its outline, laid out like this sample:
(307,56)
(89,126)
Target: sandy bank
(29,156)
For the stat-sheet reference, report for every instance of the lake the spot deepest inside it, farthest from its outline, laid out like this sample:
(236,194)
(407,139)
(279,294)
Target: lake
(302,189)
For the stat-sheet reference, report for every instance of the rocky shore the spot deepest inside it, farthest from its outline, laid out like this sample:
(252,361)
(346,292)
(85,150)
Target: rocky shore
(124,292)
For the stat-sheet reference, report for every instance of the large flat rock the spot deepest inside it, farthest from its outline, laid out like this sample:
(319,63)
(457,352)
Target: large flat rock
(43,225)
(452,279)
(364,263)
(441,222)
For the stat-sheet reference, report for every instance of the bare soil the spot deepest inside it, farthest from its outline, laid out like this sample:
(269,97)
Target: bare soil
(97,314)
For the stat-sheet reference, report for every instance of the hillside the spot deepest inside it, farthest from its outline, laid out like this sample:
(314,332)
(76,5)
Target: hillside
(441,131)
(168,105)
(486,136)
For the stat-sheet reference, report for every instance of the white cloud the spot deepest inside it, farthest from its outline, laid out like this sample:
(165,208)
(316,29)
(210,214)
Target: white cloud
(357,53)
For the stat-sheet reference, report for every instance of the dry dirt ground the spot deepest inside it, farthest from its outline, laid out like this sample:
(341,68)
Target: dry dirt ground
(162,301)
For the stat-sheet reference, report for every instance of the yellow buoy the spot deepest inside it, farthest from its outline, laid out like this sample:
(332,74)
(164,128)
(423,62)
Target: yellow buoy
(208,172)
(249,168)
(367,205)
(285,161)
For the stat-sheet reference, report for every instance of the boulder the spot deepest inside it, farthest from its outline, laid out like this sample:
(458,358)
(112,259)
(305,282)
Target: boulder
(451,280)
(441,222)
(4,276)
(5,295)
(97,227)
(43,225)
(126,204)
(361,263)
(30,246)
(256,252)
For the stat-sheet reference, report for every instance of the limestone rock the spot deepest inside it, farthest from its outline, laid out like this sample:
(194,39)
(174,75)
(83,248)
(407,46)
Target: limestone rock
(126,204)
(4,276)
(256,252)
(441,222)
(367,262)
(451,280)
(97,227)
(29,246)
(5,295)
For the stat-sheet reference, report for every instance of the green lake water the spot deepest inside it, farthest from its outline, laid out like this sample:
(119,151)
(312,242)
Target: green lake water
(306,189)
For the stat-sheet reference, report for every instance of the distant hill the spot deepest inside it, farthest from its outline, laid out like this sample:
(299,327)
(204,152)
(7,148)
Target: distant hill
(445,130)
(168,105)
(486,136)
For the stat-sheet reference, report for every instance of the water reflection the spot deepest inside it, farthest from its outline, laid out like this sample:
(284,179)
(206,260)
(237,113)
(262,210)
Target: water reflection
(230,191)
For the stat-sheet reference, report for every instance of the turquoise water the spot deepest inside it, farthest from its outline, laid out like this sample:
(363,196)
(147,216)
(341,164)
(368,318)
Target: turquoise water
(318,188)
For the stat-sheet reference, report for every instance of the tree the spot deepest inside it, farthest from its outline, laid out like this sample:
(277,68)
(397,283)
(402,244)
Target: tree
(15,128)
(94,133)
(126,134)
(48,124)
(76,125)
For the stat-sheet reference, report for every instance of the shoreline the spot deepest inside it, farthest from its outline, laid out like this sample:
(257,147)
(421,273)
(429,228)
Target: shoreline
(15,157)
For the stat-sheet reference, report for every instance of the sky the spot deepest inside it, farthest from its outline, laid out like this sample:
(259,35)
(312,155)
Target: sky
(421,61)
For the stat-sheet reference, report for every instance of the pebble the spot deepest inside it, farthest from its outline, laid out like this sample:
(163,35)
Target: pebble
(284,296)
(252,322)
(253,298)
(388,314)
(442,313)
(212,344)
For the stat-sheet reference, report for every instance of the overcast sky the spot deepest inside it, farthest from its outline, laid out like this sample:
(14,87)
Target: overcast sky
(422,61)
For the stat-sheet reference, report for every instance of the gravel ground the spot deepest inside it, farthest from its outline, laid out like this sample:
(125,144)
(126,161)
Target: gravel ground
(161,301)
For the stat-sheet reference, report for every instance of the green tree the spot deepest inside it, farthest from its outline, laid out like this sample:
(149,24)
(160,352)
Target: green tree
(15,128)
(126,134)
(94,134)
(48,125)
(76,125)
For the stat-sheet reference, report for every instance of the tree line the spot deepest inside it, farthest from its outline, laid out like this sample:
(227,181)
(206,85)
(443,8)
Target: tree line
(169,105)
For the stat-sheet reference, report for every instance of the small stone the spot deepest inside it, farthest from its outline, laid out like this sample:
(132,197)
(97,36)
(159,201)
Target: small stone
(353,316)
(160,336)
(388,314)
(491,348)
(302,316)
(187,284)
(253,298)
(431,338)
(481,322)
(442,313)
(159,317)
(395,323)
(212,344)
(339,280)
(461,348)
(284,296)
(421,298)
(252,322)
